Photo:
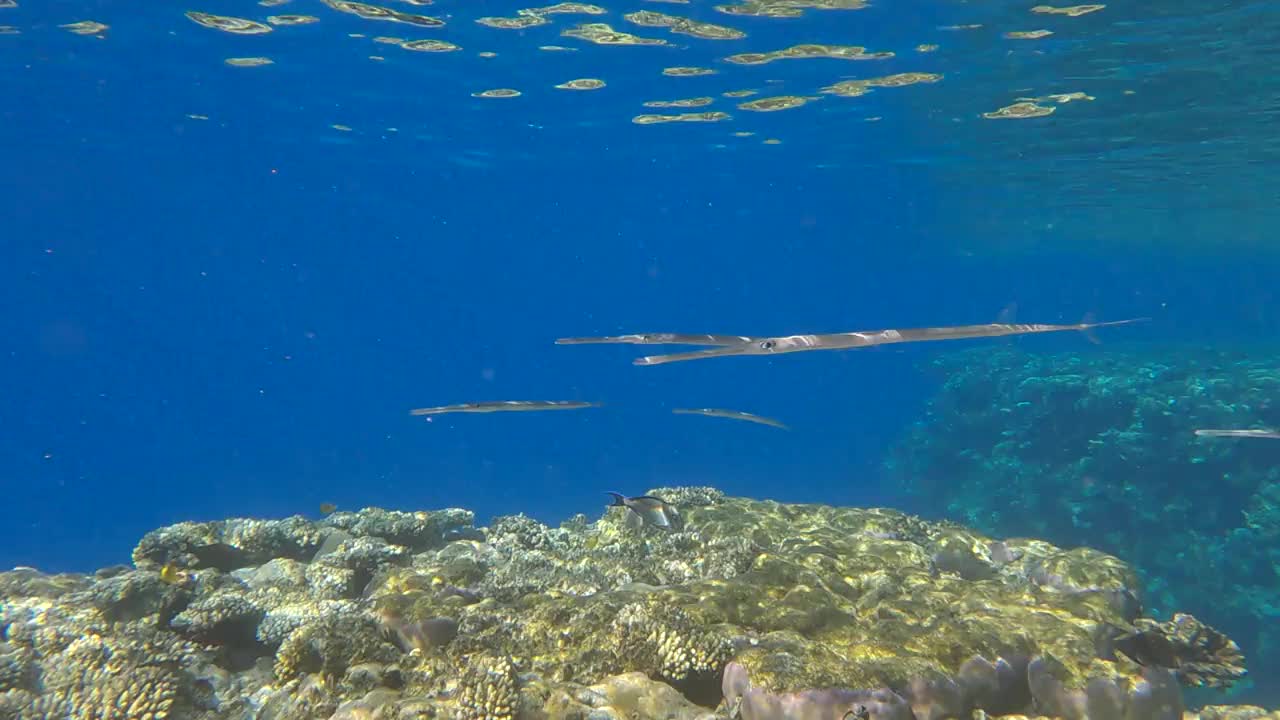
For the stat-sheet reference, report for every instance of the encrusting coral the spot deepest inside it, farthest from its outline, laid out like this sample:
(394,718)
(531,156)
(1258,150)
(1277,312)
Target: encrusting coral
(748,606)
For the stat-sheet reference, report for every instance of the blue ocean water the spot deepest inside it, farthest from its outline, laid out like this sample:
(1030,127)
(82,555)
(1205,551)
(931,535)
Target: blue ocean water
(217,304)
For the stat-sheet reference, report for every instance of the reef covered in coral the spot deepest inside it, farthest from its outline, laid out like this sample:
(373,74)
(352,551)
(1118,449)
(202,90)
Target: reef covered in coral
(1099,449)
(743,608)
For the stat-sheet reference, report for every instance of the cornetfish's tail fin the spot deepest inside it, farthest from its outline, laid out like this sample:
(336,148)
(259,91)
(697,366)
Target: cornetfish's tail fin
(1089,322)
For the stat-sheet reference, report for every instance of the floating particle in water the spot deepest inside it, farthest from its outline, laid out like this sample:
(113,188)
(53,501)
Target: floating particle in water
(249,61)
(1018,111)
(292,19)
(497,93)
(377,58)
(428,45)
(8,4)
(195,116)
(684,103)
(787,8)
(739,93)
(743,133)
(487,54)
(603,34)
(9,30)
(972,26)
(771,141)
(341,128)
(687,71)
(273,3)
(513,23)
(377,12)
(684,26)
(227,24)
(418,2)
(1073,11)
(557,48)
(838,52)
(682,117)
(582,84)
(924,48)
(1028,34)
(778,102)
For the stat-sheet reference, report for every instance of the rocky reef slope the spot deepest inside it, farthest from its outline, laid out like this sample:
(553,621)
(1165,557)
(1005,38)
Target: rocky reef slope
(755,609)
(1099,449)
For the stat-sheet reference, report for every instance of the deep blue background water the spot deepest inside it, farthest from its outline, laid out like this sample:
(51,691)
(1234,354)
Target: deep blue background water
(233,316)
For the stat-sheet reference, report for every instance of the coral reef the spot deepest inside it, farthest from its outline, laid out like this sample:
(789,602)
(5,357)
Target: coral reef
(750,608)
(1100,450)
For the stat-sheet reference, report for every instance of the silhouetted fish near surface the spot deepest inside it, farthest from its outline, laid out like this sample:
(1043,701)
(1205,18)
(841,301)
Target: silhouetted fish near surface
(731,415)
(1262,433)
(505,406)
(646,510)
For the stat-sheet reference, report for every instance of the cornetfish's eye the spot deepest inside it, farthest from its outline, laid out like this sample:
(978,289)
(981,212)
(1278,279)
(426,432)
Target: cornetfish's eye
(767,345)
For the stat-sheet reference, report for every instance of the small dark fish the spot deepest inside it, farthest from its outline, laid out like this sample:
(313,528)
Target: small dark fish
(1269,434)
(505,406)
(646,510)
(423,635)
(732,415)
(327,508)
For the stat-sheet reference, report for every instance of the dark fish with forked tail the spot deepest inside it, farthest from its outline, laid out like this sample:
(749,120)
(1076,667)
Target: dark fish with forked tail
(644,510)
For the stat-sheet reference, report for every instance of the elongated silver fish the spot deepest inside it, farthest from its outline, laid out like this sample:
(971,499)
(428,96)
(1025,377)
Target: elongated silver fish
(731,415)
(658,339)
(505,406)
(1262,433)
(843,341)
(644,510)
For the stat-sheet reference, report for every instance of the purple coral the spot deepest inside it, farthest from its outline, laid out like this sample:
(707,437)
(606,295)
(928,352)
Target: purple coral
(999,687)
(1156,696)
